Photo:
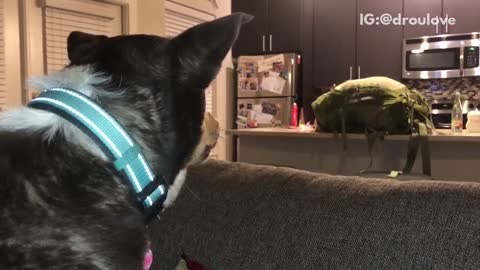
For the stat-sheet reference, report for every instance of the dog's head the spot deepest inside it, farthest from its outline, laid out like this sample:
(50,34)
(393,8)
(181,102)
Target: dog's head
(155,86)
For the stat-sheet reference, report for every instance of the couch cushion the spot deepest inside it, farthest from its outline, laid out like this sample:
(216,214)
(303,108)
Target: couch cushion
(257,217)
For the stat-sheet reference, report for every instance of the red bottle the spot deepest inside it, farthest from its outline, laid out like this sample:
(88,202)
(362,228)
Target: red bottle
(294,116)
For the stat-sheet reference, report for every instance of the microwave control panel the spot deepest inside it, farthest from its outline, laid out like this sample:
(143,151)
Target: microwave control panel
(471,57)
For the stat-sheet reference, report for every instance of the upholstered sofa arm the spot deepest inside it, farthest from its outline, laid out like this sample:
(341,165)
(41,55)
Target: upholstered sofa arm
(240,216)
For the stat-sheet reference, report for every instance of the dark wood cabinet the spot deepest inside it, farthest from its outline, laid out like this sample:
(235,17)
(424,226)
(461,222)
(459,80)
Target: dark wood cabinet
(420,9)
(466,14)
(251,39)
(379,47)
(345,49)
(464,11)
(275,28)
(284,25)
(333,42)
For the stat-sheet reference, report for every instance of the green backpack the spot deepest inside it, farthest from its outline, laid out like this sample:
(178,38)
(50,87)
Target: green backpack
(377,106)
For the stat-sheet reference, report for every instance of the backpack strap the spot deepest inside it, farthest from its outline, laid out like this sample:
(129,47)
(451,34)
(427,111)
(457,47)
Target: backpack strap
(412,150)
(425,148)
(418,140)
(372,137)
(343,123)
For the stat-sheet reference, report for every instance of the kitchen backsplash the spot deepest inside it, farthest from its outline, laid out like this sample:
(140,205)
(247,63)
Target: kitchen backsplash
(438,89)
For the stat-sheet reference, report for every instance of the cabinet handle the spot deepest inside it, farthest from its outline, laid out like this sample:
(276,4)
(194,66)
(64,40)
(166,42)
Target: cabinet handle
(351,72)
(271,38)
(263,42)
(359,72)
(446,25)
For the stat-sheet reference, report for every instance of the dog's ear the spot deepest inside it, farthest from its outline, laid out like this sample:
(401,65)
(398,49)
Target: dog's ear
(82,47)
(198,52)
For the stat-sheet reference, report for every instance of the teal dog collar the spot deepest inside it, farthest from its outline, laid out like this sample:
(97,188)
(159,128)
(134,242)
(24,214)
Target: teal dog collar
(126,155)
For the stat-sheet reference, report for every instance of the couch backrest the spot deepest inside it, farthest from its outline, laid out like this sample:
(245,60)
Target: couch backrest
(256,217)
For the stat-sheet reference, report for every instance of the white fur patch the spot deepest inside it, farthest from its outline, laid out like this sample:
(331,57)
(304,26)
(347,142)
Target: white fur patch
(80,78)
(175,188)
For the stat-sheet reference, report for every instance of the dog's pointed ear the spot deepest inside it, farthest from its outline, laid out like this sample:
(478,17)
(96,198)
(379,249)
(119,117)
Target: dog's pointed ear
(198,52)
(82,47)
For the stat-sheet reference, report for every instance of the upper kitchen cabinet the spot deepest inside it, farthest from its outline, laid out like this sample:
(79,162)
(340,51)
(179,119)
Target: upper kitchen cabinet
(344,48)
(252,37)
(466,13)
(333,42)
(284,25)
(420,9)
(275,28)
(379,46)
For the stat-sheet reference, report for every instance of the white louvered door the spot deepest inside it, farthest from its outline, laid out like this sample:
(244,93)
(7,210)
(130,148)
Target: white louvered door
(179,18)
(87,16)
(176,22)
(3,90)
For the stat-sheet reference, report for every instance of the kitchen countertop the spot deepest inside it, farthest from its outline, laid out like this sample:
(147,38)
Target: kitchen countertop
(442,135)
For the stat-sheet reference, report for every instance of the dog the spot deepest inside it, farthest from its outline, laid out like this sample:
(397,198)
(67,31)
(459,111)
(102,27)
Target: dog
(64,205)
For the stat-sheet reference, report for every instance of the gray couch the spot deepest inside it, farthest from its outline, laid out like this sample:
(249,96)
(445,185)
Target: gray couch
(257,217)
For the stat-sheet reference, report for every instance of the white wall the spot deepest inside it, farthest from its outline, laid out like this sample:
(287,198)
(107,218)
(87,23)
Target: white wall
(151,17)
(224,91)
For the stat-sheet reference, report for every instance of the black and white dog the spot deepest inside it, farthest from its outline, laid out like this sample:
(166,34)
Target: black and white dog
(63,204)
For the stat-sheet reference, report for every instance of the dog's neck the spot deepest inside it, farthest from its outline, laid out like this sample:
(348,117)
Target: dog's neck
(84,80)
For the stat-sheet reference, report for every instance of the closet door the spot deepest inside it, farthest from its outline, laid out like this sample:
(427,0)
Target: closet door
(10,72)
(47,24)
(179,18)
(86,16)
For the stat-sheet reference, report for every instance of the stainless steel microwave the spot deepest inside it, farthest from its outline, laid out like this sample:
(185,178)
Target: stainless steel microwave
(442,56)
